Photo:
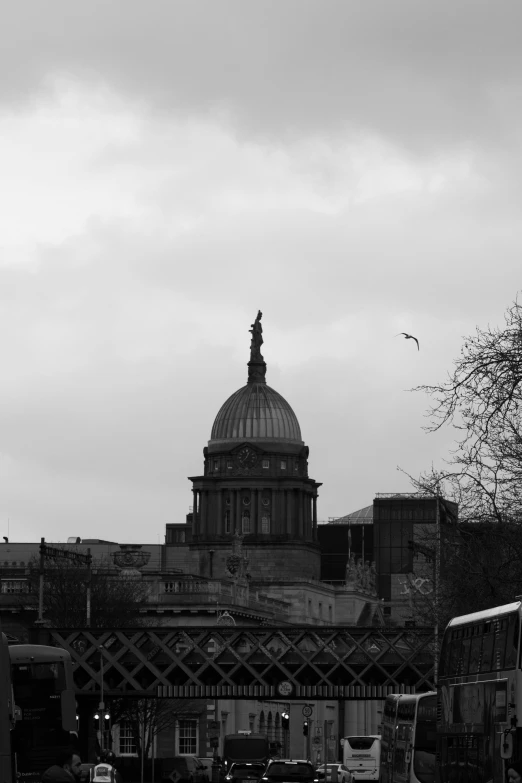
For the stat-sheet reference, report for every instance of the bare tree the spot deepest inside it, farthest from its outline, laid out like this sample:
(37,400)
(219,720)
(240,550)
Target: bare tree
(114,601)
(482,400)
(150,717)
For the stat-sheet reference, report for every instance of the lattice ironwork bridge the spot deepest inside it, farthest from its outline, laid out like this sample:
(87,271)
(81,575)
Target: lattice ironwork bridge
(220,662)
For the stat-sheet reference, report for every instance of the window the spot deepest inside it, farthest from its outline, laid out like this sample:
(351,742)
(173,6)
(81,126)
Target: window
(216,465)
(127,742)
(320,609)
(283,464)
(265,523)
(245,522)
(296,467)
(227,522)
(10,586)
(266,463)
(229,464)
(309,608)
(187,737)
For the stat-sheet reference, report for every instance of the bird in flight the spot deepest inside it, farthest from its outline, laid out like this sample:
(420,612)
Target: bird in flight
(409,337)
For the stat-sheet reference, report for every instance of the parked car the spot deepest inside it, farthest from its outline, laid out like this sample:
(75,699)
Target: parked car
(282,771)
(335,773)
(207,763)
(183,769)
(243,770)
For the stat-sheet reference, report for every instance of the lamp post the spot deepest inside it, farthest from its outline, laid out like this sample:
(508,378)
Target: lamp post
(102,703)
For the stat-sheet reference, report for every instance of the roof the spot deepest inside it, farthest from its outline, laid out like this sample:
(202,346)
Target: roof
(361,517)
(256,412)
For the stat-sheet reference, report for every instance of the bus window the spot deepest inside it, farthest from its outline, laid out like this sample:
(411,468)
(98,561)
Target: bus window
(487,652)
(464,656)
(499,649)
(512,642)
(474,654)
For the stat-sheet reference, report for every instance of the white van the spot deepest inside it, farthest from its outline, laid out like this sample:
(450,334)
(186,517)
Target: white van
(362,756)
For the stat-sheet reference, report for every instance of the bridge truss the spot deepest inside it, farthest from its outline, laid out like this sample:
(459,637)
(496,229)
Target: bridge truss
(223,662)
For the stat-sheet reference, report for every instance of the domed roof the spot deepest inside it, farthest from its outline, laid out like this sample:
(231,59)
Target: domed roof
(255,412)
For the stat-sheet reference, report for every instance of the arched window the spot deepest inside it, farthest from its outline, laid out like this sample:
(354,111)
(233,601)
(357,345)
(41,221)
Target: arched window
(265,523)
(270,728)
(245,522)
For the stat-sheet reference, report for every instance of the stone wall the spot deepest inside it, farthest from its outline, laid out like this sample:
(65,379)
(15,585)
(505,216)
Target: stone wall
(266,560)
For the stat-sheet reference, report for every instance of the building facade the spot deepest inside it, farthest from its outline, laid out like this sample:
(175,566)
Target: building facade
(251,551)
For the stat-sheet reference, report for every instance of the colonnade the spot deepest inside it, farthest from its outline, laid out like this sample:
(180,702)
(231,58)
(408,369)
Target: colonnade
(289,511)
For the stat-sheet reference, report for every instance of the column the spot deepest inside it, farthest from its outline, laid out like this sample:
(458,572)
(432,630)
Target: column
(260,509)
(289,511)
(195,526)
(232,509)
(350,719)
(238,511)
(220,522)
(203,513)
(273,513)
(307,525)
(361,717)
(314,517)
(254,512)
(376,707)
(300,507)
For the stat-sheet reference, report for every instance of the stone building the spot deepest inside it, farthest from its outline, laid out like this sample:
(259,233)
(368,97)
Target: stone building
(251,550)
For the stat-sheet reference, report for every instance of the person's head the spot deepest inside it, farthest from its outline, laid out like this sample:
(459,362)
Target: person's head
(70,761)
(514,771)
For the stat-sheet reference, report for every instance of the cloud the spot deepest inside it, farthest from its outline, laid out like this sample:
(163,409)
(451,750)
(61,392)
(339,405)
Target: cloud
(139,244)
(422,75)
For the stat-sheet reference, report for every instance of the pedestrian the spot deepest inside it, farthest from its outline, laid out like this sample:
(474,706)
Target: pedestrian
(66,770)
(514,771)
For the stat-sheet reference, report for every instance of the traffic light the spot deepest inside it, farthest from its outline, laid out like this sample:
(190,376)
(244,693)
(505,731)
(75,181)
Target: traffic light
(96,721)
(305,728)
(285,721)
(106,721)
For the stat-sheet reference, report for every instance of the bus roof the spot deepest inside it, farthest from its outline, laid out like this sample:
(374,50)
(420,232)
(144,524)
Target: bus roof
(486,614)
(409,698)
(27,653)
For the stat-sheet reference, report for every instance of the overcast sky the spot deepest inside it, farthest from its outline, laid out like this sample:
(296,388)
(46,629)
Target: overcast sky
(352,168)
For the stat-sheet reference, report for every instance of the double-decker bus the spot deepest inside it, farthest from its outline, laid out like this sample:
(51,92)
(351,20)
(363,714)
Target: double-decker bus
(479,724)
(6,713)
(246,747)
(408,743)
(45,707)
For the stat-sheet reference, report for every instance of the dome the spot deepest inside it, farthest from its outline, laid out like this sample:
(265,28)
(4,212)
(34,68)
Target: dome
(256,412)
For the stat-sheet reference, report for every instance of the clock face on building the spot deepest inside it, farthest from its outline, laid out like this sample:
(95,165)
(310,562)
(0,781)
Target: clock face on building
(246,457)
(284,688)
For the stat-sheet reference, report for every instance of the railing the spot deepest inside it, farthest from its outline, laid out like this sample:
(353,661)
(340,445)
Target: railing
(200,590)
(191,586)
(413,495)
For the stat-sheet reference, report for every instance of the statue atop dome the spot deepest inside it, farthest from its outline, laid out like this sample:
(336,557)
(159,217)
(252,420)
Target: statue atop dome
(257,339)
(256,365)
